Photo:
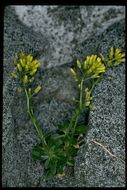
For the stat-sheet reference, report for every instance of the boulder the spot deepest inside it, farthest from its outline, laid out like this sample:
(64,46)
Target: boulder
(65,27)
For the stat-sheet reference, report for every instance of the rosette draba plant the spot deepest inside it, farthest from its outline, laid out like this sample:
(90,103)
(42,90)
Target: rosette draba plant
(58,150)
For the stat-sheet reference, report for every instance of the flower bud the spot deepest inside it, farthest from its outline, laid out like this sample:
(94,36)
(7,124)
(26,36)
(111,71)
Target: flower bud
(37,89)
(14,75)
(78,64)
(19,67)
(33,72)
(25,80)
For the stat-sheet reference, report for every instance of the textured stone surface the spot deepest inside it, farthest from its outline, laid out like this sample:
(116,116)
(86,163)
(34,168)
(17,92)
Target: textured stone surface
(17,37)
(17,167)
(107,126)
(54,105)
(65,27)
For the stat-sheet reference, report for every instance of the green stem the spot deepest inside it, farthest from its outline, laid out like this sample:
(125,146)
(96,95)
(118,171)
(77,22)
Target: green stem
(93,85)
(77,114)
(78,111)
(81,87)
(76,120)
(34,120)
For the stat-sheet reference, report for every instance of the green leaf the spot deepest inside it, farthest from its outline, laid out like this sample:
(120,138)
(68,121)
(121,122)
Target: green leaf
(64,128)
(81,129)
(57,139)
(70,162)
(55,136)
(64,125)
(60,169)
(54,140)
(46,165)
(38,153)
(71,152)
(50,141)
(48,174)
(61,163)
(72,140)
(53,165)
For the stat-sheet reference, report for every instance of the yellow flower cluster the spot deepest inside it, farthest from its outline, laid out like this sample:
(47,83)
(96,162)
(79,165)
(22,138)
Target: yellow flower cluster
(93,66)
(28,66)
(115,57)
(26,69)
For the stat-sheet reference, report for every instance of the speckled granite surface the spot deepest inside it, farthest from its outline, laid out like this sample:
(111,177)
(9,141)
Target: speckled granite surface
(107,126)
(93,167)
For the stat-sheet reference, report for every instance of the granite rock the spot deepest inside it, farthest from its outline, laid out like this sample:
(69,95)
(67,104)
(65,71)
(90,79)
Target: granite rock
(15,161)
(95,166)
(65,27)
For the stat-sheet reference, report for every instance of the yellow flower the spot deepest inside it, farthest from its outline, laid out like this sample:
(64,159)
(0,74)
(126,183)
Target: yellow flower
(25,80)
(88,97)
(29,58)
(35,62)
(111,53)
(22,61)
(78,64)
(19,67)
(72,71)
(37,89)
(120,57)
(115,57)
(93,66)
(102,57)
(31,80)
(74,74)
(26,67)
(33,72)
(35,66)
(28,63)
